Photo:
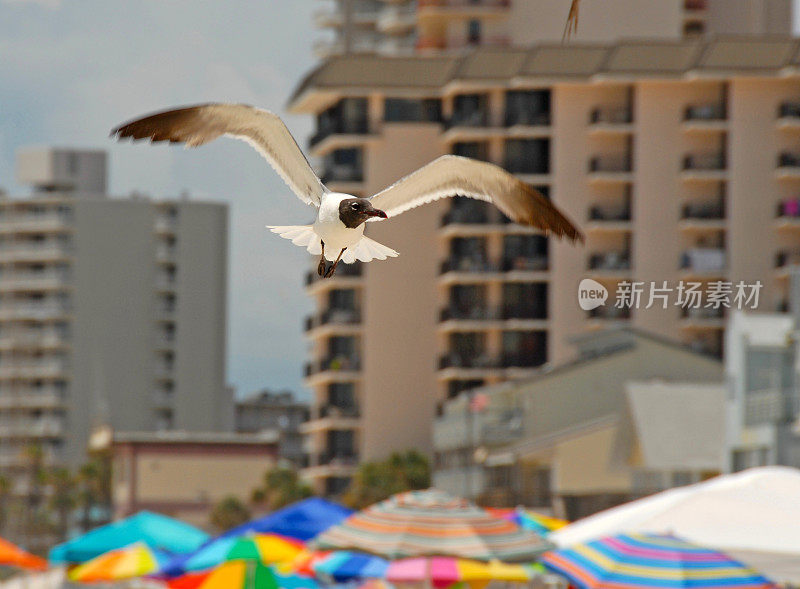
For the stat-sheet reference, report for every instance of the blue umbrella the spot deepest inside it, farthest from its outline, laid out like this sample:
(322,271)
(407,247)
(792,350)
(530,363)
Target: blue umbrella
(342,566)
(157,531)
(302,521)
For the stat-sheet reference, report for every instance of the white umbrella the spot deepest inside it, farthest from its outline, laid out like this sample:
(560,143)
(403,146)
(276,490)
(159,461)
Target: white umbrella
(755,511)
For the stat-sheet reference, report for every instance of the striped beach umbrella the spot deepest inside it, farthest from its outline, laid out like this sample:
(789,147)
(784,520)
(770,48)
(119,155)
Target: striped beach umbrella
(136,560)
(443,571)
(537,522)
(629,561)
(342,566)
(268,548)
(432,523)
(13,555)
(240,574)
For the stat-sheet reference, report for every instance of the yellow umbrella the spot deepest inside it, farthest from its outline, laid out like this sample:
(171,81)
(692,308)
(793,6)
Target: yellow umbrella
(132,561)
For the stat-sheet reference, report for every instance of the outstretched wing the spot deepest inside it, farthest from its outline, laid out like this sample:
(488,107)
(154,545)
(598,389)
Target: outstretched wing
(197,125)
(452,175)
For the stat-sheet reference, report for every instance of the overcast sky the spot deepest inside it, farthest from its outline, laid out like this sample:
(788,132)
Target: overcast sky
(71,69)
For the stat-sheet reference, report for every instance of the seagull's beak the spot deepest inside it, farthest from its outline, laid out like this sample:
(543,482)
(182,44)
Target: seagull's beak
(377,213)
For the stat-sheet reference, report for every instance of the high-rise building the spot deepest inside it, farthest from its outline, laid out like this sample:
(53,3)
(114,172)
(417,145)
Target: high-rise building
(112,311)
(405,27)
(678,159)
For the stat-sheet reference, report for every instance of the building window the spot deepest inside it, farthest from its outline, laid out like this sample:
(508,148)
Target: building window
(409,110)
(474,32)
(527,107)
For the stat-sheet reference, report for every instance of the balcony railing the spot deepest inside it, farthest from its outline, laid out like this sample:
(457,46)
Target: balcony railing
(507,312)
(612,116)
(337,458)
(530,163)
(349,411)
(342,271)
(621,163)
(341,127)
(708,161)
(334,316)
(41,310)
(610,261)
(705,112)
(703,259)
(483,361)
(524,263)
(468,264)
(475,118)
(607,213)
(526,117)
(335,364)
(705,210)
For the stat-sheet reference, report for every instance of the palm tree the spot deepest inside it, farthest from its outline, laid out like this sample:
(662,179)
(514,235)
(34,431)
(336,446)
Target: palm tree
(229,513)
(63,499)
(376,481)
(281,487)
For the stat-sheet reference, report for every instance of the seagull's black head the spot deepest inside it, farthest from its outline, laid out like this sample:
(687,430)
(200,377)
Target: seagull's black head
(354,211)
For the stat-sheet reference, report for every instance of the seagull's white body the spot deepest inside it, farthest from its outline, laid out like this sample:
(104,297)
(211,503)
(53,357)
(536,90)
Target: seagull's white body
(329,229)
(445,177)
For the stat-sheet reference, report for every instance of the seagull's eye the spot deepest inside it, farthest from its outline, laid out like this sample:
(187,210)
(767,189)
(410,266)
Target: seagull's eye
(355,206)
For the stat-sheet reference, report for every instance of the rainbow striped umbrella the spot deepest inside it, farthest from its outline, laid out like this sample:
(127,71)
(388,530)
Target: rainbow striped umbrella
(342,565)
(132,561)
(536,522)
(241,574)
(432,523)
(629,561)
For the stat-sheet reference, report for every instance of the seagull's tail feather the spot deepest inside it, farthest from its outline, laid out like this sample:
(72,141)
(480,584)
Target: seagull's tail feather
(368,249)
(302,235)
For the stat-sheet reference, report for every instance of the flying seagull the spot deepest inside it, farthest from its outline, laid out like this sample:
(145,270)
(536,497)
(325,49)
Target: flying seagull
(337,234)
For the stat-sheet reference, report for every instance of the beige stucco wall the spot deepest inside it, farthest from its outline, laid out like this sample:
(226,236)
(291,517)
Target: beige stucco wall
(582,465)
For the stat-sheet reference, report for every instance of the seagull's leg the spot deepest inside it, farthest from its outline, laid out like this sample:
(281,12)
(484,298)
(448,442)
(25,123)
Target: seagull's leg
(332,269)
(321,265)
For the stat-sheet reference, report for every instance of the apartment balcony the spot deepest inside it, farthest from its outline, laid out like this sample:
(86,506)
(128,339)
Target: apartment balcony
(607,218)
(42,398)
(704,167)
(479,316)
(473,213)
(328,417)
(522,117)
(162,400)
(534,164)
(788,165)
(397,20)
(342,321)
(345,366)
(468,265)
(611,121)
(348,177)
(340,133)
(35,223)
(787,215)
(37,281)
(33,369)
(703,262)
(49,251)
(31,428)
(479,362)
(705,118)
(789,116)
(164,341)
(346,275)
(458,125)
(703,216)
(702,318)
(337,458)
(31,339)
(611,169)
(695,5)
(165,253)
(524,263)
(166,224)
(34,311)
(610,264)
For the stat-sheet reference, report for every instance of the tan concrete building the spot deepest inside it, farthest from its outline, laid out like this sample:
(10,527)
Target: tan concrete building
(680,160)
(405,27)
(112,311)
(184,475)
(607,427)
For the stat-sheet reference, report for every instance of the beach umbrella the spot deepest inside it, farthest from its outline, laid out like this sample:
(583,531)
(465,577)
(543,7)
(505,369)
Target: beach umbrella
(13,555)
(267,548)
(188,580)
(751,515)
(132,561)
(342,566)
(637,561)
(301,521)
(431,523)
(443,571)
(158,531)
(240,574)
(536,522)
